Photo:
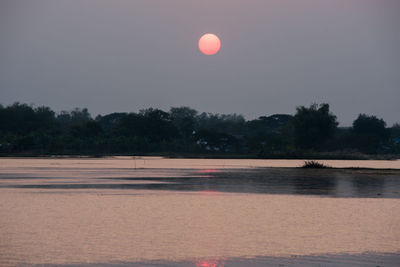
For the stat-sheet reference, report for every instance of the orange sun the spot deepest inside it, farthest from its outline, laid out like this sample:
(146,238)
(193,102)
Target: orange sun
(209,44)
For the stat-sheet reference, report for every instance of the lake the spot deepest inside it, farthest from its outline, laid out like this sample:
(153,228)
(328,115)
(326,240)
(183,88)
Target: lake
(150,211)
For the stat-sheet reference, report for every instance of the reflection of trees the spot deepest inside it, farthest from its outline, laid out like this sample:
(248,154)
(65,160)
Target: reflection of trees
(314,183)
(368,185)
(329,182)
(266,181)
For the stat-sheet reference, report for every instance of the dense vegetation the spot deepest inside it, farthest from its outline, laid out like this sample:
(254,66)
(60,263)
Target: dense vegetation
(27,130)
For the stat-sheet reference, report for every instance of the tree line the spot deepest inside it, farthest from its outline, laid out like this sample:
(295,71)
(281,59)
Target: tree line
(313,130)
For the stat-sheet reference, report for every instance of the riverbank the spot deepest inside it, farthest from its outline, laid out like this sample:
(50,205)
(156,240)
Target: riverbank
(145,162)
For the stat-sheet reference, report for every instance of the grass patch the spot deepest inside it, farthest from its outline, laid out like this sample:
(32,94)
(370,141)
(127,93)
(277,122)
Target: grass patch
(312,164)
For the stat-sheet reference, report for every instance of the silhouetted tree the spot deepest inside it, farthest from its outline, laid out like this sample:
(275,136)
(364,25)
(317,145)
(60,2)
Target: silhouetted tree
(216,141)
(313,126)
(110,121)
(154,124)
(395,138)
(370,133)
(370,125)
(230,123)
(264,135)
(184,119)
(17,118)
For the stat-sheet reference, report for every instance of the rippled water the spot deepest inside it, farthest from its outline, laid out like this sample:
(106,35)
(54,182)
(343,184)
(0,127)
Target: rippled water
(91,212)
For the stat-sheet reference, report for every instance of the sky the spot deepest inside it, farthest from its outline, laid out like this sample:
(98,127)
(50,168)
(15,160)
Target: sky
(126,55)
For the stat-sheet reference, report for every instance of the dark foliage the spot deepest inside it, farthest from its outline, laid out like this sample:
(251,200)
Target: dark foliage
(26,130)
(370,133)
(312,164)
(314,126)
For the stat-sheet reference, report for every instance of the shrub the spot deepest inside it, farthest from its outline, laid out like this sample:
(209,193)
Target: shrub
(312,164)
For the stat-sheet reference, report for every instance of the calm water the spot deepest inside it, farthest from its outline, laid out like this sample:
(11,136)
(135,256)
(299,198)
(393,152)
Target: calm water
(156,212)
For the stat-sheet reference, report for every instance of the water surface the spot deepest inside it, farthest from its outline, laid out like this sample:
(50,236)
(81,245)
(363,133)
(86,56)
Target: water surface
(85,213)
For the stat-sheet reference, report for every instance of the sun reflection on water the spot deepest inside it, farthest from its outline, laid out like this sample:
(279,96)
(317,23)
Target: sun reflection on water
(210,263)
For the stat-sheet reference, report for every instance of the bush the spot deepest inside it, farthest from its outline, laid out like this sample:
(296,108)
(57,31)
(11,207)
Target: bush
(312,164)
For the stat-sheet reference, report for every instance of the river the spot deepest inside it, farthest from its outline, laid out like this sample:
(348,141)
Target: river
(148,211)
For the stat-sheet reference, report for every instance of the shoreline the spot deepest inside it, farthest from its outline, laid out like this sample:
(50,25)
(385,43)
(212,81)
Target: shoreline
(299,156)
(153,162)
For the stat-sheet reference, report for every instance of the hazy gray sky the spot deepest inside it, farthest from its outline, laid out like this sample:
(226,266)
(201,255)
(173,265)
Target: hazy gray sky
(124,55)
